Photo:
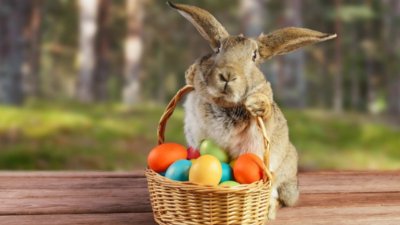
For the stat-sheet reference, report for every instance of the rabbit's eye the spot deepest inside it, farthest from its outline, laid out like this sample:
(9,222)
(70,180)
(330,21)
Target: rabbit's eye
(254,55)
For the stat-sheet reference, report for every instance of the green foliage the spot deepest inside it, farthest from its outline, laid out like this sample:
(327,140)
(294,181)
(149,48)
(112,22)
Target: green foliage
(72,136)
(351,13)
(346,141)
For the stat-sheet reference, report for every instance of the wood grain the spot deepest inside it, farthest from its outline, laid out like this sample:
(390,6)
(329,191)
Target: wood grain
(80,219)
(350,181)
(68,183)
(80,201)
(327,197)
(389,215)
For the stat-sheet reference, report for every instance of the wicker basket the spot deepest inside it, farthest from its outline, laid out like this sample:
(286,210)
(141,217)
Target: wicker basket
(185,203)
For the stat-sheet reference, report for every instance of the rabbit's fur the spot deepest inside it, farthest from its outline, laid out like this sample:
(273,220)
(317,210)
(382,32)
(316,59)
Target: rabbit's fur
(230,91)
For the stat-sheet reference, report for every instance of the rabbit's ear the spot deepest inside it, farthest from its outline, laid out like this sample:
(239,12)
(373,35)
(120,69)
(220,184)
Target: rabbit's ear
(288,39)
(204,22)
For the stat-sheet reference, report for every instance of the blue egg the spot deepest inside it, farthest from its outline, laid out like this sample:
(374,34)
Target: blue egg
(179,170)
(227,173)
(162,173)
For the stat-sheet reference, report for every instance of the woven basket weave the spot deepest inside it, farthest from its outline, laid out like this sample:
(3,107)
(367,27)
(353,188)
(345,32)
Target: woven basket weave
(185,203)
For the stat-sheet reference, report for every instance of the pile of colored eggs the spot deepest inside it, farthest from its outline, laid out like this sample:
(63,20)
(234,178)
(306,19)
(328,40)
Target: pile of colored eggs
(206,166)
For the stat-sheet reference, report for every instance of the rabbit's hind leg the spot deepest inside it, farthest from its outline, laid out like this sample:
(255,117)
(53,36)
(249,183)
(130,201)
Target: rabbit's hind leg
(288,192)
(286,178)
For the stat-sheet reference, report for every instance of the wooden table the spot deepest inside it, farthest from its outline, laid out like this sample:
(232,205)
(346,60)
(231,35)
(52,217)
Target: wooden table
(81,198)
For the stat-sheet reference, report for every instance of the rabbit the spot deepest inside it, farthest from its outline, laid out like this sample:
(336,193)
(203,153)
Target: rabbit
(230,91)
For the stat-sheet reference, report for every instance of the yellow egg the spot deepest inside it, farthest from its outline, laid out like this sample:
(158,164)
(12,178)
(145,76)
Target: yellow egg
(206,170)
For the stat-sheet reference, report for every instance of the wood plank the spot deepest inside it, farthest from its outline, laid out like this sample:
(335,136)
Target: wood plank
(77,201)
(388,215)
(327,197)
(292,216)
(342,182)
(349,199)
(136,200)
(75,174)
(81,219)
(314,182)
(71,182)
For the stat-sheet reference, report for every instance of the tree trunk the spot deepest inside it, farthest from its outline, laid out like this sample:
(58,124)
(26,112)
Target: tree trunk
(31,77)
(102,49)
(392,44)
(252,17)
(13,42)
(371,82)
(355,90)
(355,80)
(87,60)
(372,78)
(294,81)
(338,78)
(133,52)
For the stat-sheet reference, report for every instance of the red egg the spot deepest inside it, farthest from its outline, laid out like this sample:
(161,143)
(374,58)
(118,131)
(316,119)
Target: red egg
(193,153)
(162,156)
(248,168)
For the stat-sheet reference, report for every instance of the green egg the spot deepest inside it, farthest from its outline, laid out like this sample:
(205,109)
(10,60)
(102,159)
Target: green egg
(208,147)
(229,183)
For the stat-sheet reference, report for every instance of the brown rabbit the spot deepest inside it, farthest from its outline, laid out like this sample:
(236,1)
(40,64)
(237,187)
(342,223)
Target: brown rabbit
(230,91)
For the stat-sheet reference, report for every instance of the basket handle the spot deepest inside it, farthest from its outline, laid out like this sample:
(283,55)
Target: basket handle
(169,110)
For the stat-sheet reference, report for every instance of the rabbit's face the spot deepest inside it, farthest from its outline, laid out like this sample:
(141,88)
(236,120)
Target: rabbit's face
(225,75)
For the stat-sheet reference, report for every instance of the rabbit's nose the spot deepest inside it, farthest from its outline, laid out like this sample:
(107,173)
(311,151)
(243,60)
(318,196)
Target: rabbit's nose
(227,77)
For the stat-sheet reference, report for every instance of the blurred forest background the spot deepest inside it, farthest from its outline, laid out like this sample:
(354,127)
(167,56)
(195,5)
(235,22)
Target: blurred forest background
(84,82)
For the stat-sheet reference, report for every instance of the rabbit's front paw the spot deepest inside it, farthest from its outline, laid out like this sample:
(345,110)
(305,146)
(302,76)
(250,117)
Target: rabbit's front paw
(258,105)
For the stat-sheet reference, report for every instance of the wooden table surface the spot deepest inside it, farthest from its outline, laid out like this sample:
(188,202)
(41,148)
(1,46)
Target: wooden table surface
(82,198)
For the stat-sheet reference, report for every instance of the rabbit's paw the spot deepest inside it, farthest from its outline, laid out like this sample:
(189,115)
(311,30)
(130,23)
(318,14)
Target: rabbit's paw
(189,74)
(258,105)
(273,207)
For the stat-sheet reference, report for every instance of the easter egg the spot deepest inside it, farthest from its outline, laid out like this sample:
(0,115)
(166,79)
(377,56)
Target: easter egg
(232,163)
(193,153)
(209,147)
(229,183)
(248,168)
(179,170)
(206,170)
(162,156)
(227,173)
(162,174)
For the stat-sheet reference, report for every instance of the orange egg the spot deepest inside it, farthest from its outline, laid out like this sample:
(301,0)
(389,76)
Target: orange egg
(248,168)
(162,156)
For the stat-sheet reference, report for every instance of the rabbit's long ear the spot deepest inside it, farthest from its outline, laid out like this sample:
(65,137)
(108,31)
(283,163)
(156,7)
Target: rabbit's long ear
(288,39)
(204,22)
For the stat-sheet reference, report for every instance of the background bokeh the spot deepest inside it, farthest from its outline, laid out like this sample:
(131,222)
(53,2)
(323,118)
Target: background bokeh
(84,82)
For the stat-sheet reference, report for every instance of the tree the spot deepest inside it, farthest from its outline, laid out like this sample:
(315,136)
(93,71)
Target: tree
(338,77)
(31,77)
(102,49)
(14,18)
(391,46)
(252,17)
(133,51)
(353,73)
(291,78)
(94,28)
(87,63)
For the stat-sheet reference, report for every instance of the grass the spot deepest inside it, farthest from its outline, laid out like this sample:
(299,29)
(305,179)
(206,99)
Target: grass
(70,136)
(347,141)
